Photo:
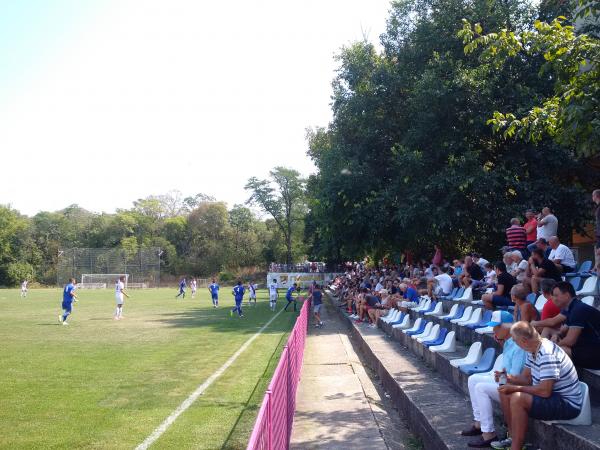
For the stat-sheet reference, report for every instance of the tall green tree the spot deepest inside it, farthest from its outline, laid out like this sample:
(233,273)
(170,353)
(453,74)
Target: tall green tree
(282,196)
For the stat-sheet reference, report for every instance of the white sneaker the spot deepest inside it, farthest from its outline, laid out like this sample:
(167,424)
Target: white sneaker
(65,323)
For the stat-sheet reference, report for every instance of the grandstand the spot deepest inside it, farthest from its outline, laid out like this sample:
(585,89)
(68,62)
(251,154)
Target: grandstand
(425,356)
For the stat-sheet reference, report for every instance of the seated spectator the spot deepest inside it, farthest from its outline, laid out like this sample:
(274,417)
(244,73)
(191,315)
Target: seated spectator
(580,339)
(543,245)
(541,267)
(489,279)
(561,256)
(477,259)
(369,301)
(471,272)
(484,388)
(510,264)
(501,296)
(441,284)
(547,389)
(380,309)
(551,318)
(516,236)
(457,268)
(524,310)
(520,266)
(410,295)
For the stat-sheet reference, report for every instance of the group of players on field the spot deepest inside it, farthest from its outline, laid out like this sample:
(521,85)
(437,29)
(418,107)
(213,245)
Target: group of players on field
(238,293)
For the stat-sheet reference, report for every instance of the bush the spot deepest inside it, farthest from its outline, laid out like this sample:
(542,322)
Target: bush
(17,272)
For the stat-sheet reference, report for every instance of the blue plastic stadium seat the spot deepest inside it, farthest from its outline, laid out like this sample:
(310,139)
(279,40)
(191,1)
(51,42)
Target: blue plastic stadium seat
(430,309)
(459,293)
(420,330)
(575,282)
(459,313)
(451,296)
(485,364)
(399,320)
(440,339)
(487,316)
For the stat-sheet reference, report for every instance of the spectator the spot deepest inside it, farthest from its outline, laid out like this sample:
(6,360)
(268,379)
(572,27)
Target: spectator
(520,266)
(596,200)
(547,389)
(540,268)
(580,339)
(561,255)
(437,258)
(524,310)
(547,225)
(530,229)
(410,295)
(471,272)
(379,309)
(543,245)
(481,262)
(551,318)
(510,264)
(484,388)
(501,296)
(443,284)
(516,236)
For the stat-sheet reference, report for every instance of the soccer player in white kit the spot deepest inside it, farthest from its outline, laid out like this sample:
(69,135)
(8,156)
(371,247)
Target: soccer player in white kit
(24,289)
(273,295)
(119,293)
(252,288)
(193,285)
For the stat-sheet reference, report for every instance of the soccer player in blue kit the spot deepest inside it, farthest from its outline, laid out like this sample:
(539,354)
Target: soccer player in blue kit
(182,286)
(68,298)
(238,294)
(290,297)
(214,293)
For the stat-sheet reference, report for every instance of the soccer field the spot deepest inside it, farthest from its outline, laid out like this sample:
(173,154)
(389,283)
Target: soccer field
(105,384)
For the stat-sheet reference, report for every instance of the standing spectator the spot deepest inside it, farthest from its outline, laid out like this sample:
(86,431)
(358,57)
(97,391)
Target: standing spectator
(596,199)
(580,339)
(437,258)
(501,296)
(530,228)
(547,389)
(516,236)
(483,388)
(561,256)
(547,225)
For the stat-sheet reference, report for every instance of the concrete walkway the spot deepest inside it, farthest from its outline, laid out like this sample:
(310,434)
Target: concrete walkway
(337,405)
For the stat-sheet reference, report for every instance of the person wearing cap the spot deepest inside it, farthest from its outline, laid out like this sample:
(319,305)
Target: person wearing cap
(483,388)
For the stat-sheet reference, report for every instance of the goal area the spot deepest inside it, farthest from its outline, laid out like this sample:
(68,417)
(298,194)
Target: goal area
(99,268)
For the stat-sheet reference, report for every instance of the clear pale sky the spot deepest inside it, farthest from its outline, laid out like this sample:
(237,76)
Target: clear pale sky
(106,101)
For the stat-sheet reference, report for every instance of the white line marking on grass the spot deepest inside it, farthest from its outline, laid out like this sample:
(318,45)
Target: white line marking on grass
(158,432)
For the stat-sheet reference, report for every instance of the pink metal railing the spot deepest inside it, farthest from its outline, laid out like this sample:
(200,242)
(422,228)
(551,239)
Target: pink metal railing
(273,426)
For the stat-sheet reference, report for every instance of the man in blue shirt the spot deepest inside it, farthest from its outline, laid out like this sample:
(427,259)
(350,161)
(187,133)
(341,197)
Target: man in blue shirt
(68,298)
(214,293)
(317,301)
(484,388)
(289,296)
(182,285)
(238,294)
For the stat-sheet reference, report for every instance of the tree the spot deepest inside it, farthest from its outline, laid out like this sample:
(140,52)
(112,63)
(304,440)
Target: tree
(283,197)
(571,54)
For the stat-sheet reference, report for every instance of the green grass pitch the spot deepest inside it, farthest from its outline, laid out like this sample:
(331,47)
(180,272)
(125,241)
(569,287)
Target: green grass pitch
(105,384)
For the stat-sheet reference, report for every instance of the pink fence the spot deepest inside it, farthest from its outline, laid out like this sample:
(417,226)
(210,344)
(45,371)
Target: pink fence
(273,426)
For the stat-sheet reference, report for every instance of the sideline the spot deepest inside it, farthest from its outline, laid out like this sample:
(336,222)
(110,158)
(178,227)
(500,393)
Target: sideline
(158,432)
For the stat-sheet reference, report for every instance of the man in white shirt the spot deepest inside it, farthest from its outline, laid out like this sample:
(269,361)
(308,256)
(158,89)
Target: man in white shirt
(520,270)
(561,255)
(273,295)
(547,225)
(193,285)
(24,289)
(481,262)
(440,285)
(119,293)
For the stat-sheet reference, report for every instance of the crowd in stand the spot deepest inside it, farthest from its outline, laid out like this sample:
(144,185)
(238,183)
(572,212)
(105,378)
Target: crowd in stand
(540,348)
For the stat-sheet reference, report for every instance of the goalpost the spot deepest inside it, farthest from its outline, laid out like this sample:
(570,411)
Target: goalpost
(101,280)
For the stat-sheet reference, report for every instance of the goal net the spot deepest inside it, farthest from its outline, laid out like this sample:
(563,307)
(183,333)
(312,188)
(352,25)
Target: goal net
(101,280)
(96,267)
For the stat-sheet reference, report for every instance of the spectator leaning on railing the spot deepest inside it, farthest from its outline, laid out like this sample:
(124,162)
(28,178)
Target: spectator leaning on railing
(547,389)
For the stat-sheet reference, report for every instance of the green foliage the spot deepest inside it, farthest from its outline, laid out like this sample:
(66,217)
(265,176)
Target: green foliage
(571,58)
(282,196)
(409,159)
